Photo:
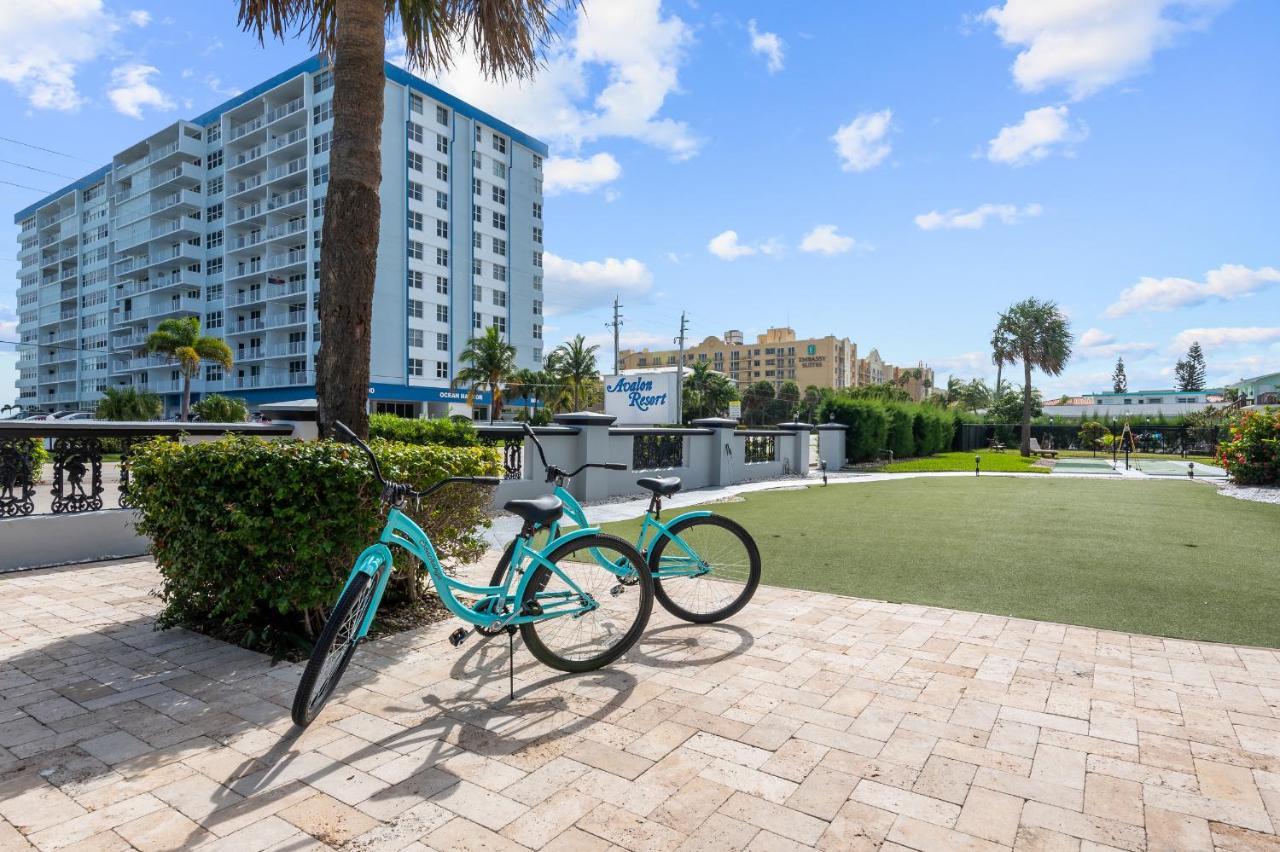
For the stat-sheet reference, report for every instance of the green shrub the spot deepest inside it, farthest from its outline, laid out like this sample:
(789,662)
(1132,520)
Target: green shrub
(444,431)
(1251,453)
(868,424)
(254,539)
(128,403)
(909,429)
(216,408)
(899,438)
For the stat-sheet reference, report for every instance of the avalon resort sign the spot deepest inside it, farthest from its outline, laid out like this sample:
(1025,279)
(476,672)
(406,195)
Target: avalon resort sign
(641,398)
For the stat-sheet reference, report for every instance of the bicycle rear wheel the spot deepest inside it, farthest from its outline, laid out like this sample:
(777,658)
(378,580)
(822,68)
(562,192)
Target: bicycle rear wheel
(724,550)
(585,641)
(333,650)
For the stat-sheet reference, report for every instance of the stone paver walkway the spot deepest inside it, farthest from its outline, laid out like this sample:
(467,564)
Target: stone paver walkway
(810,721)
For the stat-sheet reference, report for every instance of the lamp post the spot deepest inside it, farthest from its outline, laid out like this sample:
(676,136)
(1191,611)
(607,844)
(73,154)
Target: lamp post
(977,465)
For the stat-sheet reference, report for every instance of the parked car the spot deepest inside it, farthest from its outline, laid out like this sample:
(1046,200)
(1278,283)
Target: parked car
(78,415)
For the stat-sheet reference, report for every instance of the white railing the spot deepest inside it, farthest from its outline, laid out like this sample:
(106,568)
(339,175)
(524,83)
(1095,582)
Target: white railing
(247,127)
(285,109)
(289,138)
(292,197)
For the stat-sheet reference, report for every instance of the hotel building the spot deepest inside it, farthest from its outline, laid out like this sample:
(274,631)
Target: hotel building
(220,218)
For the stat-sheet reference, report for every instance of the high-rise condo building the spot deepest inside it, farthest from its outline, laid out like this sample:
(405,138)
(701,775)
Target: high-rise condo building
(220,218)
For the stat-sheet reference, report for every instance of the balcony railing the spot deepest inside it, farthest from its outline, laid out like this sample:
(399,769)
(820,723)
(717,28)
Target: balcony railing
(285,109)
(247,127)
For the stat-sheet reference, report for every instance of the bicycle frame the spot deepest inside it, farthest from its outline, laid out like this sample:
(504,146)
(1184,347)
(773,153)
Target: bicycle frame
(673,565)
(401,531)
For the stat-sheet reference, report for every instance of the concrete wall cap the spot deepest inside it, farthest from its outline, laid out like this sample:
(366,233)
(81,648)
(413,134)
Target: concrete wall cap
(840,426)
(585,418)
(715,423)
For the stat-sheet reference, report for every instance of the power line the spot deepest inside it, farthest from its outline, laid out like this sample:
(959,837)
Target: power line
(46,150)
(24,186)
(34,169)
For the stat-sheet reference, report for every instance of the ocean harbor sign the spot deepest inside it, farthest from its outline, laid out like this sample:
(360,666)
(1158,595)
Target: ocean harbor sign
(641,398)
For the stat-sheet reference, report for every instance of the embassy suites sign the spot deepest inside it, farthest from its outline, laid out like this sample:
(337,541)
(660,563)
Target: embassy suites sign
(641,398)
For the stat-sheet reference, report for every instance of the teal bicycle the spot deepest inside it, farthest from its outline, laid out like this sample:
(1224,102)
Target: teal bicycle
(705,567)
(572,615)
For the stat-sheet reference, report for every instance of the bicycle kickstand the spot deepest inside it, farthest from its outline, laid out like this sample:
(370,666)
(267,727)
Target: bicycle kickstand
(511,660)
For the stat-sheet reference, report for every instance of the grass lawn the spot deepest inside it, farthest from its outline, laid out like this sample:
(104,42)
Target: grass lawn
(1006,462)
(1164,558)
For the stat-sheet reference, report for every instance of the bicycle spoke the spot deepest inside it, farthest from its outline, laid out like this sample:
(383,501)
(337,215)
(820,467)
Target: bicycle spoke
(713,577)
(611,606)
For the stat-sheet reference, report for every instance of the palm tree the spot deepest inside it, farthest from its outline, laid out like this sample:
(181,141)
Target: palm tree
(125,403)
(1001,353)
(575,364)
(506,39)
(180,340)
(491,362)
(1039,336)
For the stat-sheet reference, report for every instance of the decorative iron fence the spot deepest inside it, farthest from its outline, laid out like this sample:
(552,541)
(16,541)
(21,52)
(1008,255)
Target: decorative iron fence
(1147,438)
(77,450)
(760,446)
(655,451)
(512,447)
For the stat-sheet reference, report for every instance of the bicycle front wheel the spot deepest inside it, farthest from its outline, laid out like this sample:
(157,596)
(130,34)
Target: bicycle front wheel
(711,580)
(333,650)
(617,607)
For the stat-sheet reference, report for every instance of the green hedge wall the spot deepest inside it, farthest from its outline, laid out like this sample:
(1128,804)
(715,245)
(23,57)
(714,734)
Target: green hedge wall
(254,538)
(908,429)
(443,431)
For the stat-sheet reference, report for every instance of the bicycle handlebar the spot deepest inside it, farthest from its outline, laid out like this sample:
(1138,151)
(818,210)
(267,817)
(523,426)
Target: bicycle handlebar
(393,489)
(554,472)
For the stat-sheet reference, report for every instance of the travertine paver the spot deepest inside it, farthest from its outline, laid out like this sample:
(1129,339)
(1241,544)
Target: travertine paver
(809,721)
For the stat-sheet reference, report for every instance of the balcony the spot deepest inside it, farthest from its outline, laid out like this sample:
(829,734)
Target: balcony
(163,282)
(182,252)
(285,320)
(249,211)
(248,156)
(189,224)
(286,229)
(276,261)
(293,196)
(275,378)
(292,349)
(293,167)
(184,198)
(179,305)
(245,268)
(245,185)
(292,137)
(285,109)
(244,129)
(246,326)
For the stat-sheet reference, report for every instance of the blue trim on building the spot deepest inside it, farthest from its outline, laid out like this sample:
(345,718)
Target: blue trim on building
(87,180)
(385,392)
(394,73)
(398,75)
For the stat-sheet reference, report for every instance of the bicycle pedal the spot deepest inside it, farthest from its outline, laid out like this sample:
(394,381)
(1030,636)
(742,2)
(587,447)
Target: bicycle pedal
(457,637)
(617,590)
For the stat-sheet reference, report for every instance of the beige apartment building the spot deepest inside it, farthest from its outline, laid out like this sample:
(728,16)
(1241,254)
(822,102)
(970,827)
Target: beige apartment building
(777,356)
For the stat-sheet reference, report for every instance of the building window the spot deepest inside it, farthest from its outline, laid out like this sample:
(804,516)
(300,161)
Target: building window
(499,247)
(320,175)
(317,206)
(213,373)
(213,133)
(477,321)
(537,210)
(415,131)
(442,285)
(477,266)
(415,367)
(322,112)
(537,260)
(213,293)
(214,186)
(415,103)
(442,313)
(500,323)
(415,161)
(442,144)
(213,320)
(442,172)
(442,116)
(499,273)
(442,200)
(477,186)
(415,249)
(499,220)
(537,234)
(476,160)
(500,143)
(416,337)
(415,279)
(477,240)
(477,214)
(500,298)
(415,308)
(499,170)
(321,143)
(213,239)
(321,81)
(213,212)
(442,257)
(215,160)
(442,229)
(415,190)
(537,307)
(537,283)
(442,369)
(415,220)
(214,266)
(442,341)
(499,195)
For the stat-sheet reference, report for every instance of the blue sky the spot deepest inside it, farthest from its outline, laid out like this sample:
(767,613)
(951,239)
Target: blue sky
(895,173)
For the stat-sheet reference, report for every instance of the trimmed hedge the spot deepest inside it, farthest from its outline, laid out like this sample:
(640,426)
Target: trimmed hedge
(1251,454)
(908,429)
(442,431)
(254,539)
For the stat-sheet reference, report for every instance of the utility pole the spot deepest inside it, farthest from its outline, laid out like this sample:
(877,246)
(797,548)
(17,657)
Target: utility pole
(684,326)
(615,325)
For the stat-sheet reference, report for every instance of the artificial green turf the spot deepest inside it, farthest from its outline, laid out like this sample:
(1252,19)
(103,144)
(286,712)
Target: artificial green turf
(1006,462)
(1166,558)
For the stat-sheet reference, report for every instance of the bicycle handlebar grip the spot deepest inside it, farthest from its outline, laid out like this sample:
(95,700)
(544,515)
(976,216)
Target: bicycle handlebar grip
(487,480)
(338,424)
(615,466)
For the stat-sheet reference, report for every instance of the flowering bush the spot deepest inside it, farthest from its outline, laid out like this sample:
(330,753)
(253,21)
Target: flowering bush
(1252,452)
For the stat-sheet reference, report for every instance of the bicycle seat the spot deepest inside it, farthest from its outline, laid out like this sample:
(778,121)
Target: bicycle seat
(542,511)
(664,486)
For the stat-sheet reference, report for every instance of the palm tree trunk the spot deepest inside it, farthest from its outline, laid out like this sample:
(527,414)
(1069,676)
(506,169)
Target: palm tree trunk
(351,218)
(186,397)
(999,370)
(1026,406)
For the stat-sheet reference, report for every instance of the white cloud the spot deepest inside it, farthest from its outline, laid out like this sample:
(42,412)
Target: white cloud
(8,323)
(767,45)
(139,17)
(823,239)
(215,85)
(862,143)
(1009,214)
(571,174)
(1226,283)
(43,45)
(1096,343)
(1218,338)
(132,90)
(609,78)
(581,285)
(725,246)
(965,364)
(1087,45)
(1035,136)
